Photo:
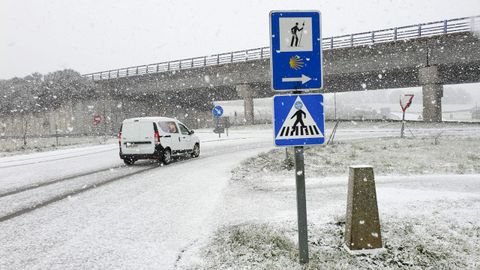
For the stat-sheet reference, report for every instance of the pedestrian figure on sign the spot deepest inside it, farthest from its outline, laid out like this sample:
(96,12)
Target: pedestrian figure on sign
(294,31)
(299,114)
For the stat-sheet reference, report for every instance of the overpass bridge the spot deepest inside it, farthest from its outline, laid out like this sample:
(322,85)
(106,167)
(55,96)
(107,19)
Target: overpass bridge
(427,55)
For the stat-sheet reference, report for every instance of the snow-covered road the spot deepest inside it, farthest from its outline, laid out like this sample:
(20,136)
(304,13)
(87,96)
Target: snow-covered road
(141,222)
(143,219)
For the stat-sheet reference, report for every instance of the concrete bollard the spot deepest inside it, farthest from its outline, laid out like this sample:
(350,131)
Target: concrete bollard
(362,226)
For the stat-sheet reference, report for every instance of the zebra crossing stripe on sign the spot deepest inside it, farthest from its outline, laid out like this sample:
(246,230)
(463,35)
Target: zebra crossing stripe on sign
(299,124)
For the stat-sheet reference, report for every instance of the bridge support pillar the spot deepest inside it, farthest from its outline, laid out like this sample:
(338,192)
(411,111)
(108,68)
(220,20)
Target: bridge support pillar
(432,90)
(246,92)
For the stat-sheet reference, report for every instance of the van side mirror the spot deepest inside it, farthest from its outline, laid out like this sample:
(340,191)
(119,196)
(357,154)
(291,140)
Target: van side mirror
(191,131)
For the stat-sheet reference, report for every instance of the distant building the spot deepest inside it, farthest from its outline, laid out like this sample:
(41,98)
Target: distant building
(385,112)
(476,113)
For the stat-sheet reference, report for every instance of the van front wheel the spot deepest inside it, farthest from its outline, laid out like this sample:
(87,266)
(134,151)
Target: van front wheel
(196,150)
(167,156)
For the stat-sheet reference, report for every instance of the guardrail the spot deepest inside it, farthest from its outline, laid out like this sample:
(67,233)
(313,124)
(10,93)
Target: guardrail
(467,24)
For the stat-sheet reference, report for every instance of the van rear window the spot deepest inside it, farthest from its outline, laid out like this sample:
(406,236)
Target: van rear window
(137,130)
(168,126)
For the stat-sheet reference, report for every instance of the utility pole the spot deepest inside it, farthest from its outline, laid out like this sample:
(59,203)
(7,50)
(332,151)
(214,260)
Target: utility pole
(56,133)
(105,116)
(335,105)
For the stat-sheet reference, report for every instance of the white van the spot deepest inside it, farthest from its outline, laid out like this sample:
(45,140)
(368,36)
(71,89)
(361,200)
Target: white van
(156,138)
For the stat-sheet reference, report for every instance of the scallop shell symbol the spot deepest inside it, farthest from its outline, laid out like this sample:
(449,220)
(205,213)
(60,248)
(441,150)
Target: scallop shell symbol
(296,62)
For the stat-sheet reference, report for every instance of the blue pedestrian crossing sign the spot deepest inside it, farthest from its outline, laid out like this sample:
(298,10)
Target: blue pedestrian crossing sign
(296,50)
(217,111)
(298,120)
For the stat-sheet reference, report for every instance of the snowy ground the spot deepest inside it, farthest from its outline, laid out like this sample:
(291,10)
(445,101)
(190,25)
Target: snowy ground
(425,229)
(10,146)
(428,197)
(191,214)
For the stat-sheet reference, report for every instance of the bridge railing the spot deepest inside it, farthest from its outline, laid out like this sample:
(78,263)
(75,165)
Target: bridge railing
(467,24)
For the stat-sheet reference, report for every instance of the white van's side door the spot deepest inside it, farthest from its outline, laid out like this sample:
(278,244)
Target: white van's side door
(176,141)
(170,135)
(185,137)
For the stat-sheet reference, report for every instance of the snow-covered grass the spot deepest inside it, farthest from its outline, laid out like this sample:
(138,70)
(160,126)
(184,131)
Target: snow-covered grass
(388,156)
(11,146)
(428,198)
(429,241)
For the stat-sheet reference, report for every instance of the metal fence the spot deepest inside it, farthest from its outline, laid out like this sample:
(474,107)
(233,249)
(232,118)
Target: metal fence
(467,24)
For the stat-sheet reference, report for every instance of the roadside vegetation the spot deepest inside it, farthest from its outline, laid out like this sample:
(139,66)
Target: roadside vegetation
(388,156)
(408,244)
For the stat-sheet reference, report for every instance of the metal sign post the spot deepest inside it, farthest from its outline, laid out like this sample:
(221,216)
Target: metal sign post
(226,123)
(218,129)
(296,62)
(301,204)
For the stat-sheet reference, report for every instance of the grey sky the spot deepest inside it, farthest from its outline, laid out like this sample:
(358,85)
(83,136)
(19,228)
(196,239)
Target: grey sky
(93,35)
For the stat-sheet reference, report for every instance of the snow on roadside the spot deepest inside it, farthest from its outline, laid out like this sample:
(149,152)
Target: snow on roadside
(452,155)
(427,222)
(12,147)
(408,245)
(428,196)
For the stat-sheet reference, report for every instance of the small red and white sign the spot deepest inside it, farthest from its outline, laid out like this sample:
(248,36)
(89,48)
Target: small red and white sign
(97,119)
(406,101)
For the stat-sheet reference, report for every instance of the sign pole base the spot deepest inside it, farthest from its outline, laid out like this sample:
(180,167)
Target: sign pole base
(301,205)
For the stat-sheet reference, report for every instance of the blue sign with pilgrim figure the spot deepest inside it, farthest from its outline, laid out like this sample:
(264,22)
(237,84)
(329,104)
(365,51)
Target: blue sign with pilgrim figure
(296,50)
(298,120)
